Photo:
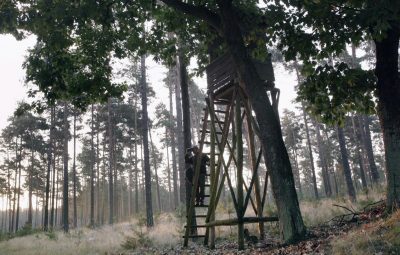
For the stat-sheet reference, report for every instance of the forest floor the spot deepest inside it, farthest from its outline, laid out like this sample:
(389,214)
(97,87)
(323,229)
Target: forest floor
(334,227)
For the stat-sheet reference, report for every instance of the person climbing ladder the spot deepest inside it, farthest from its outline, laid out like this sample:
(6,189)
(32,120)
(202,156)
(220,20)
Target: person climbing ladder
(190,158)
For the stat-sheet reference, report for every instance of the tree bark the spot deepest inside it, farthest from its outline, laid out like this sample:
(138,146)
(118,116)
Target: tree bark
(171,131)
(111,165)
(358,152)
(155,172)
(19,185)
(65,160)
(324,165)
(368,148)
(275,154)
(49,162)
(179,134)
(92,163)
(346,166)
(388,93)
(313,176)
(75,219)
(30,191)
(146,153)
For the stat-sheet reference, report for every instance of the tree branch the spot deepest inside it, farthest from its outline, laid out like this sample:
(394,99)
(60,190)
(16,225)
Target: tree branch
(196,11)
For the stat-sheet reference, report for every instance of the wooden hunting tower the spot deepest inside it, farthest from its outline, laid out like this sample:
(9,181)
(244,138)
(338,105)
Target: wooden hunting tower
(228,121)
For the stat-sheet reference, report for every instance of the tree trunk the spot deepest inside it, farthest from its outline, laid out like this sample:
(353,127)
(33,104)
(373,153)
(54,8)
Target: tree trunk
(155,172)
(346,166)
(368,148)
(170,203)
(324,165)
(147,173)
(275,154)
(136,165)
(313,176)
(12,229)
(75,220)
(53,193)
(99,193)
(171,130)
(358,152)
(179,135)
(19,186)
(30,190)
(92,163)
(388,93)
(111,165)
(187,134)
(65,159)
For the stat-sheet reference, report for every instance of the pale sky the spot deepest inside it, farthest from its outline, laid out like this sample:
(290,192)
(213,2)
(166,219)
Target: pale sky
(12,53)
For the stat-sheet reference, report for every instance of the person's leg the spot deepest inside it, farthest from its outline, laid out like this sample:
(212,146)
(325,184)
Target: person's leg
(202,183)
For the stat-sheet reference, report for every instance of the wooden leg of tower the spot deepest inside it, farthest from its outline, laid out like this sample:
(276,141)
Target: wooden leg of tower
(239,158)
(214,178)
(254,164)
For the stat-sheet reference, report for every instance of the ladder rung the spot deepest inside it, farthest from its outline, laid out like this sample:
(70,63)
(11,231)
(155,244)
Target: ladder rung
(200,216)
(222,102)
(203,206)
(197,226)
(208,132)
(195,236)
(220,122)
(217,111)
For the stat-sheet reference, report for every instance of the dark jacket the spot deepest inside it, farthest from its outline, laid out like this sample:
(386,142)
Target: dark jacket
(191,159)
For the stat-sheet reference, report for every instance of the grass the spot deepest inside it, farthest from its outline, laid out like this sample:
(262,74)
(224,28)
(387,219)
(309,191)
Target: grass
(381,237)
(316,212)
(116,239)
(134,238)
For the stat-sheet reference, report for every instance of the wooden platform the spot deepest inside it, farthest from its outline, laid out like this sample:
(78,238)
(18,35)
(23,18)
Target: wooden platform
(222,75)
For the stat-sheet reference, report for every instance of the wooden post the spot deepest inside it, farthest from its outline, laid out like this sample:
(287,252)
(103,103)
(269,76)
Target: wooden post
(255,172)
(239,162)
(190,210)
(213,175)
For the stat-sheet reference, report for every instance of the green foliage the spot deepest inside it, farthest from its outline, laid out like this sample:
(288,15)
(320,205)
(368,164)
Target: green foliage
(51,235)
(140,240)
(8,18)
(333,91)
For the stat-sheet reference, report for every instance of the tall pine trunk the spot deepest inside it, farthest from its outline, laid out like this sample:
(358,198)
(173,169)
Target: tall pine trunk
(19,185)
(388,93)
(30,190)
(368,148)
(145,132)
(346,166)
(313,176)
(324,164)
(179,135)
(155,172)
(75,217)
(358,152)
(65,166)
(171,130)
(110,165)
(92,163)
(275,154)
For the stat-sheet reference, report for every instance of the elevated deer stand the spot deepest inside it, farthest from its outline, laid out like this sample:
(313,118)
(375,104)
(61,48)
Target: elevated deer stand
(227,114)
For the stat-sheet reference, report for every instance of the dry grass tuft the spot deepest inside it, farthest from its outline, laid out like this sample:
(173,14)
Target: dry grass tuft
(320,211)
(380,237)
(103,240)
